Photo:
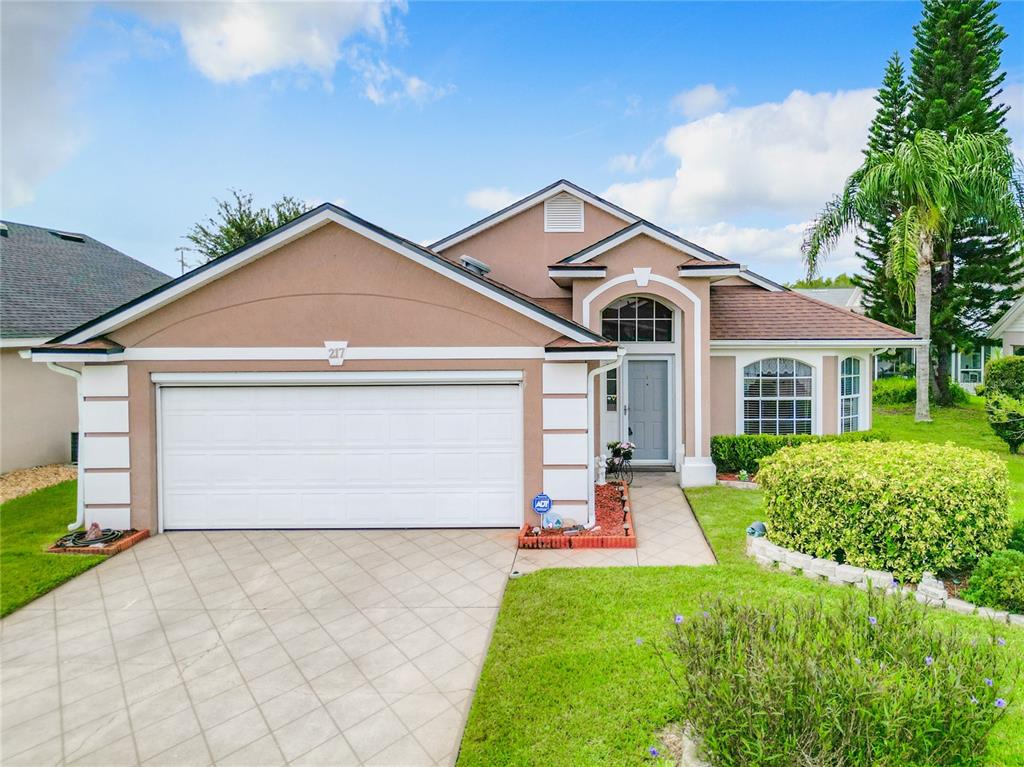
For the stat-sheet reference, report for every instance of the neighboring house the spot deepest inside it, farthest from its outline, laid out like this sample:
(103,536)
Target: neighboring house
(332,374)
(1008,332)
(50,282)
(844,298)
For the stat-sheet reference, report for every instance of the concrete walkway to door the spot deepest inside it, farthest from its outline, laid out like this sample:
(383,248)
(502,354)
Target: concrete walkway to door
(667,533)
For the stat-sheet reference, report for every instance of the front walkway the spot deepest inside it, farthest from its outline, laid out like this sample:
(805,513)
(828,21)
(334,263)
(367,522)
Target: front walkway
(667,533)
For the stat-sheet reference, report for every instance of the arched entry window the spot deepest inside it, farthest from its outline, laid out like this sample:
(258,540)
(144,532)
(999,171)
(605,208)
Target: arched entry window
(777,397)
(637,318)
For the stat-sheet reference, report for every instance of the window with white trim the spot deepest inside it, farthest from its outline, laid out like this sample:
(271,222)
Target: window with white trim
(563,213)
(611,391)
(777,397)
(849,395)
(637,318)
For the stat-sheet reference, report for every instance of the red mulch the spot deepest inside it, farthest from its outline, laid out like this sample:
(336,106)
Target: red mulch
(730,477)
(608,499)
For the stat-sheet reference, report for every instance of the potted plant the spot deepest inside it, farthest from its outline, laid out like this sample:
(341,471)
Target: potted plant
(623,450)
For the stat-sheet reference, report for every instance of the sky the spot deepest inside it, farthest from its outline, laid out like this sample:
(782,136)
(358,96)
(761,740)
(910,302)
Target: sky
(730,123)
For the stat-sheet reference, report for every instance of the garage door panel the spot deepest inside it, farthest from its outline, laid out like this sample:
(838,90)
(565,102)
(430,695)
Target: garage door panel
(341,456)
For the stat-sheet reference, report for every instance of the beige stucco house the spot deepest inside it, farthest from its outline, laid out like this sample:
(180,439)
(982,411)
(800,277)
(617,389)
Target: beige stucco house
(51,281)
(333,374)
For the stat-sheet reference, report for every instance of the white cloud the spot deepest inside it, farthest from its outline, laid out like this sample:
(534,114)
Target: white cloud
(233,41)
(386,84)
(38,136)
(701,100)
(623,162)
(490,198)
(784,158)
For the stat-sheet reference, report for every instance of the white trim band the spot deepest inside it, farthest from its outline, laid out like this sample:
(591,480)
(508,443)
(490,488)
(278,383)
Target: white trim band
(369,378)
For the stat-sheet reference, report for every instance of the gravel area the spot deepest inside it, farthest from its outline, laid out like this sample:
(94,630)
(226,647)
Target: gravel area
(23,481)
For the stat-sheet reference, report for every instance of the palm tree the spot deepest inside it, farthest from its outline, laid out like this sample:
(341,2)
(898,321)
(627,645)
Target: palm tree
(929,183)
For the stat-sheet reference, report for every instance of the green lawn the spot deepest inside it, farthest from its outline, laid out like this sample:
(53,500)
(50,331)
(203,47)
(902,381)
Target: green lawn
(964,425)
(565,683)
(28,525)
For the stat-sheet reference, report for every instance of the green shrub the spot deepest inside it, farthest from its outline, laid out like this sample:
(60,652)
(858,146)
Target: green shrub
(888,392)
(998,581)
(1006,417)
(1005,375)
(905,507)
(891,392)
(867,683)
(1017,537)
(734,453)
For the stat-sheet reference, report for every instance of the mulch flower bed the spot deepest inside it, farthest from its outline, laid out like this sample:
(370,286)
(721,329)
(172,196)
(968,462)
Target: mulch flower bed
(614,528)
(126,541)
(15,484)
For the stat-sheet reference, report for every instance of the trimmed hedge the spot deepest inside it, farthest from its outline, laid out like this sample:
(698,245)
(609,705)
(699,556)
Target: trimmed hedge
(734,453)
(904,507)
(1005,375)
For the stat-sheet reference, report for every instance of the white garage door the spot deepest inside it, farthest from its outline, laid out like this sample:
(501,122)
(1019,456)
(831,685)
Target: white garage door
(341,456)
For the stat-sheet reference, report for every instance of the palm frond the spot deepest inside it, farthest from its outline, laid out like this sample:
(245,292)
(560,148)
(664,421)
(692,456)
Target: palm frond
(902,263)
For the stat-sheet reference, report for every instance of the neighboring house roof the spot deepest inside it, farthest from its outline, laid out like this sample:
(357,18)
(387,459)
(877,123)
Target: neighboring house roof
(742,313)
(319,216)
(1011,315)
(845,298)
(529,201)
(51,281)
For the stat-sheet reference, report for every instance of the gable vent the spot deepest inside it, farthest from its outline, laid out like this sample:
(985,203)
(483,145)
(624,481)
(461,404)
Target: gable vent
(563,213)
(474,265)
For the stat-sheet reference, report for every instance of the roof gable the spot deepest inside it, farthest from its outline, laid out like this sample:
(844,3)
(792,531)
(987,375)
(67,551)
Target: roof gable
(559,187)
(314,219)
(1012,314)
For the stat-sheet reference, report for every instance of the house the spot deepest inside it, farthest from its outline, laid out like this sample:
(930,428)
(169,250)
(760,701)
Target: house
(845,298)
(1008,331)
(51,281)
(333,374)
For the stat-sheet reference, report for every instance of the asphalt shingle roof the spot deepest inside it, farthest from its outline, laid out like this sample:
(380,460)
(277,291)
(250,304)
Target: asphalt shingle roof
(49,285)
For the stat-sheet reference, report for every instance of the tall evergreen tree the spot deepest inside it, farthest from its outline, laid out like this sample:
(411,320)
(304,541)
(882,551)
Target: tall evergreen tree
(889,127)
(955,86)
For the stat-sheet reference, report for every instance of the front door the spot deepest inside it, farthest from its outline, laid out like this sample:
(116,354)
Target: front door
(647,410)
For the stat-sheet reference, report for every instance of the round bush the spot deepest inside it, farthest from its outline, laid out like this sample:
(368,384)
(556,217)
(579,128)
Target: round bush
(1005,375)
(998,581)
(905,507)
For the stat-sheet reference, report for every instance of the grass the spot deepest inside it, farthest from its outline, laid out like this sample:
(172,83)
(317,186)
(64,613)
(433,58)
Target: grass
(565,683)
(964,425)
(28,525)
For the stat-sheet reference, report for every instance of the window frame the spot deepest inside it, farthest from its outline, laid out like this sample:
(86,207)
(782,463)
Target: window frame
(663,315)
(856,397)
(745,380)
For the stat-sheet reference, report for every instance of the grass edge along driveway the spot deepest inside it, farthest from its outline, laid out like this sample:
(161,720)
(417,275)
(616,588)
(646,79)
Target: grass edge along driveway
(564,682)
(28,525)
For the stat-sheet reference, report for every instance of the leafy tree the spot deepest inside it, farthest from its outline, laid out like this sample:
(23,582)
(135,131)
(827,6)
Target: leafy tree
(955,85)
(889,127)
(931,184)
(238,222)
(839,281)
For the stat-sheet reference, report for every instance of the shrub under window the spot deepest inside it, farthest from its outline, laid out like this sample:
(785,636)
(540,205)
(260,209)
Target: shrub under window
(905,507)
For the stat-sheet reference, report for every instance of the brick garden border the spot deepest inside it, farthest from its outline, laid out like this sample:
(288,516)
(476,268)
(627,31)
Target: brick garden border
(116,547)
(584,541)
(930,591)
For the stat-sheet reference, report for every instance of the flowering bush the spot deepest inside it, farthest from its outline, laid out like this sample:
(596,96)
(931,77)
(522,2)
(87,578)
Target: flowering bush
(867,683)
(998,581)
(622,450)
(905,507)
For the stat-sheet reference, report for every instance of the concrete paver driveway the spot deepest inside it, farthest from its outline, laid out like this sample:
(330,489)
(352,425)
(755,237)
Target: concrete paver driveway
(311,647)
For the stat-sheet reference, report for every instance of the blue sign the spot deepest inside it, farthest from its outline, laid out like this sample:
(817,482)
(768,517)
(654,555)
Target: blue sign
(541,503)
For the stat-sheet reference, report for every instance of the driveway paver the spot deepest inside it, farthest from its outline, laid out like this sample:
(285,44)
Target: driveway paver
(257,647)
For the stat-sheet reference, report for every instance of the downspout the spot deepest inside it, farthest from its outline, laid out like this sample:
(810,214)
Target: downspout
(591,458)
(79,505)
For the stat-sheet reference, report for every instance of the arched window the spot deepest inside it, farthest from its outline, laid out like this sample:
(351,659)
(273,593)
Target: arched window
(637,319)
(777,397)
(849,395)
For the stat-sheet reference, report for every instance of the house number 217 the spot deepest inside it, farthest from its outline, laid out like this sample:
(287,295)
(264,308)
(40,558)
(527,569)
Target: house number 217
(335,351)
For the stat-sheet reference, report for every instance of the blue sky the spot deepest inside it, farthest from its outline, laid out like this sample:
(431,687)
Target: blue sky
(727,122)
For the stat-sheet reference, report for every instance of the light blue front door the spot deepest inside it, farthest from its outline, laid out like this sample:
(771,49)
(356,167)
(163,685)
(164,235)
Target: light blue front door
(647,415)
